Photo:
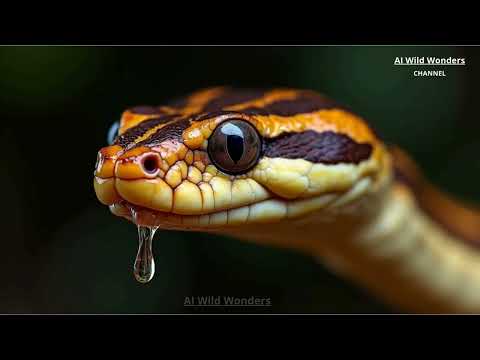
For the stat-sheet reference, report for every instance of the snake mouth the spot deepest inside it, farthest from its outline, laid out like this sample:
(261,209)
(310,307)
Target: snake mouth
(263,211)
(181,189)
(195,195)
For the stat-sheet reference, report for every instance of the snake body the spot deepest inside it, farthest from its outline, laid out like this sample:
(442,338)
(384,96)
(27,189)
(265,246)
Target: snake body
(295,169)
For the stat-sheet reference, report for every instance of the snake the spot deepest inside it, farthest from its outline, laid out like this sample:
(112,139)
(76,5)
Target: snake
(295,169)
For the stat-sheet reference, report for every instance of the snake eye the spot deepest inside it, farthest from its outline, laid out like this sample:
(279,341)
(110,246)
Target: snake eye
(234,147)
(113,132)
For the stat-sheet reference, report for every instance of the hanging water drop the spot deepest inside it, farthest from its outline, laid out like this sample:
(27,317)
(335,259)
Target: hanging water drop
(144,267)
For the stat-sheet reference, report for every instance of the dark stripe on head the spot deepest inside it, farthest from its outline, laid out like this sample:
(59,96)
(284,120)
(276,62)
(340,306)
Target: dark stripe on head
(129,136)
(232,97)
(145,110)
(327,147)
(210,115)
(306,103)
(172,131)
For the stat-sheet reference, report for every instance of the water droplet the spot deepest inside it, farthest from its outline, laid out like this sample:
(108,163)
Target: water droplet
(144,267)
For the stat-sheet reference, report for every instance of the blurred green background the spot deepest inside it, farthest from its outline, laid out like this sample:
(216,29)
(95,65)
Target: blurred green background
(63,252)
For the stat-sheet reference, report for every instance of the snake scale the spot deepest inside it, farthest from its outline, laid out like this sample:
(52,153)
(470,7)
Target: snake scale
(294,169)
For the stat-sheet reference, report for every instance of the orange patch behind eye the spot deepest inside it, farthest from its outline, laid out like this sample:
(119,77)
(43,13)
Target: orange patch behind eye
(323,120)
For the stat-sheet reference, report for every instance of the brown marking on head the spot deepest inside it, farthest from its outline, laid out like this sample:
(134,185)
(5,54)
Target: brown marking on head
(145,110)
(304,103)
(211,115)
(273,113)
(128,138)
(265,99)
(172,131)
(232,97)
(327,147)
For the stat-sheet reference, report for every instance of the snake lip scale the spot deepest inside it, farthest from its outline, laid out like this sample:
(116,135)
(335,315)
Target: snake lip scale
(217,219)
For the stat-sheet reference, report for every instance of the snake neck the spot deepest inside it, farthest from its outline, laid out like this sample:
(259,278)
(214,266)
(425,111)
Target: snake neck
(410,245)
(393,249)
(406,258)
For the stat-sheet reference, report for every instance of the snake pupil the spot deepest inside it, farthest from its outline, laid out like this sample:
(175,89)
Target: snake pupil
(235,147)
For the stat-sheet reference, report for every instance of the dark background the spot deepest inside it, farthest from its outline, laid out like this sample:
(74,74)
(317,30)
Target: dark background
(63,252)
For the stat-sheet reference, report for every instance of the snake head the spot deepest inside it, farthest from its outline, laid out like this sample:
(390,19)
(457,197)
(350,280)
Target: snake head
(223,158)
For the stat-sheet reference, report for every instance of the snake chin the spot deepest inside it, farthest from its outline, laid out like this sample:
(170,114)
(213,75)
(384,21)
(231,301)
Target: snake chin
(272,210)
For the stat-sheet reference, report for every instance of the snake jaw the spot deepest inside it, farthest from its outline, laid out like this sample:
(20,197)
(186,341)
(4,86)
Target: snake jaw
(186,191)
(270,211)
(265,208)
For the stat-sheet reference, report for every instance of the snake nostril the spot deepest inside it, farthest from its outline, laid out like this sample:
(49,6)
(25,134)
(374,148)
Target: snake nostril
(150,164)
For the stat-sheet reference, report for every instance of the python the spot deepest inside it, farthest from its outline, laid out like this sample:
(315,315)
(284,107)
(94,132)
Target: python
(295,169)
